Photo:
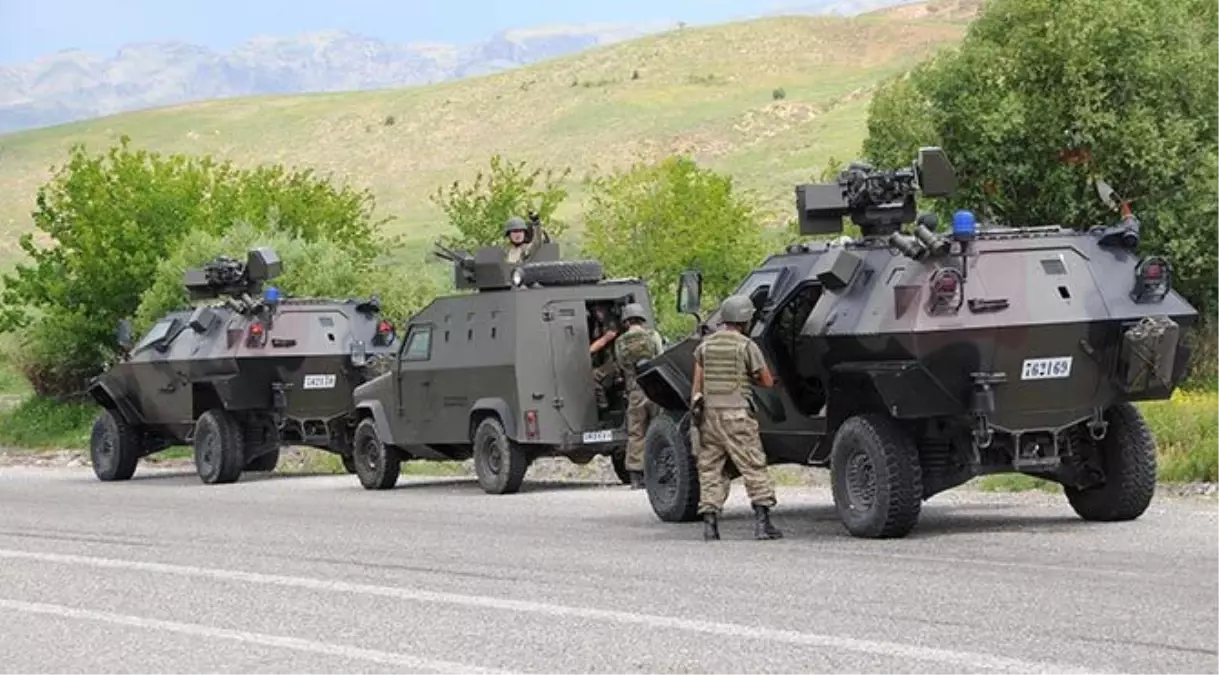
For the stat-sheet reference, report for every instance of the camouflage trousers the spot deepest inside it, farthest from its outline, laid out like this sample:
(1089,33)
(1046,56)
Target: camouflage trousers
(730,433)
(639,412)
(603,375)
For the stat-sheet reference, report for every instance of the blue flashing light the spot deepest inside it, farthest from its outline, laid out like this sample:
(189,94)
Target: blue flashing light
(964,226)
(271,295)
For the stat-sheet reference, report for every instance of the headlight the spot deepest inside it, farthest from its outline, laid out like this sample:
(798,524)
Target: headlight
(518,276)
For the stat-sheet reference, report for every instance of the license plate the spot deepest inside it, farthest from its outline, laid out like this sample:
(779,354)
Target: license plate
(1045,369)
(604,436)
(319,381)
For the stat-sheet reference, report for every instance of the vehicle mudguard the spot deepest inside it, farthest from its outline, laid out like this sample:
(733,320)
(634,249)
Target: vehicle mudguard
(501,409)
(374,409)
(903,389)
(105,396)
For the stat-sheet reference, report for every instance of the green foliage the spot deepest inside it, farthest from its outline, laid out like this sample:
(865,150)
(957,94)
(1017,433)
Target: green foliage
(478,211)
(42,423)
(112,218)
(1045,94)
(316,268)
(656,220)
(778,94)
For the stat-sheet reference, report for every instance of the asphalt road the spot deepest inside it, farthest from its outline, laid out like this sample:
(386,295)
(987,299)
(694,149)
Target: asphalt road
(314,574)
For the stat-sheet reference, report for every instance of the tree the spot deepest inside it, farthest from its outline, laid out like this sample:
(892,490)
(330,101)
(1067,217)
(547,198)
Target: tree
(478,212)
(656,220)
(112,218)
(1044,95)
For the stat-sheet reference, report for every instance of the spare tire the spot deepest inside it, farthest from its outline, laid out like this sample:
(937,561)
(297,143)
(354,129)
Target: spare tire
(561,272)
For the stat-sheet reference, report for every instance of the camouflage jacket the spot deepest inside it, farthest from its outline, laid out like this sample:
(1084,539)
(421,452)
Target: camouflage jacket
(632,346)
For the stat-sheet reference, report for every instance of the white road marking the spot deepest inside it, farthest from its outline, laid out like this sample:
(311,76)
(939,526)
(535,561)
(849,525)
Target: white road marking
(969,660)
(297,644)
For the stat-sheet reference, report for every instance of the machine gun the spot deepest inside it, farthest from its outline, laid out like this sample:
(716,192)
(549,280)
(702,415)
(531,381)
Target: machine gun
(879,202)
(225,276)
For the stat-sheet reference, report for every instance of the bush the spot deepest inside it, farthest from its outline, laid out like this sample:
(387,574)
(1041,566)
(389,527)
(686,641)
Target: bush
(317,268)
(1043,95)
(656,220)
(112,218)
(478,212)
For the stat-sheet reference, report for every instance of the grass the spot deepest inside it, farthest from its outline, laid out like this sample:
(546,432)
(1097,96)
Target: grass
(705,91)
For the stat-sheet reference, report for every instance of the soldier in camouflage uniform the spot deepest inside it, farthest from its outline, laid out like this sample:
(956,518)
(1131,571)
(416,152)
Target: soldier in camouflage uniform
(637,343)
(725,364)
(604,331)
(523,238)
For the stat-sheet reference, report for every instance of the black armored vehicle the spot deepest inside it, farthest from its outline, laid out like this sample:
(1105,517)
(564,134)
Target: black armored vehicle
(503,375)
(238,378)
(909,363)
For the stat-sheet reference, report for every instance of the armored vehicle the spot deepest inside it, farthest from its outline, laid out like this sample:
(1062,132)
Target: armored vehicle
(503,375)
(908,364)
(239,377)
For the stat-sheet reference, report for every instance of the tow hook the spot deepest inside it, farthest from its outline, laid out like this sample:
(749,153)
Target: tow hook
(1097,426)
(983,404)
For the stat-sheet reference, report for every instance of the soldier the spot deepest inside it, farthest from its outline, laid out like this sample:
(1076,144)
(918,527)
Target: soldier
(637,343)
(523,237)
(603,331)
(725,363)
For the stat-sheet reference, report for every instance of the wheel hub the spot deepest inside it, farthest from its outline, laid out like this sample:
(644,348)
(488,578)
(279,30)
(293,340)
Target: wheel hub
(861,481)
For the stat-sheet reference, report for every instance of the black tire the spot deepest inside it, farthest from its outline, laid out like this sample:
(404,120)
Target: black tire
(499,463)
(218,447)
(561,272)
(876,478)
(376,465)
(1127,455)
(349,463)
(670,471)
(114,447)
(618,460)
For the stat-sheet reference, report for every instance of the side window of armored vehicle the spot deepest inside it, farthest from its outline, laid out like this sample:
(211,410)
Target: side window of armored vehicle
(418,343)
(756,286)
(160,331)
(783,340)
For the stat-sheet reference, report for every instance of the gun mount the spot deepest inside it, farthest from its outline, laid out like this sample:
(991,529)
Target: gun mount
(879,202)
(487,268)
(227,276)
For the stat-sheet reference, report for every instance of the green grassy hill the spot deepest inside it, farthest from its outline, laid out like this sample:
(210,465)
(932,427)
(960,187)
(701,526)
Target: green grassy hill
(705,92)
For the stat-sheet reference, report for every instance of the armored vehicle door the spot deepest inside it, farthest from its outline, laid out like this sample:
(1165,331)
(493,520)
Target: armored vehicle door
(158,380)
(570,365)
(414,401)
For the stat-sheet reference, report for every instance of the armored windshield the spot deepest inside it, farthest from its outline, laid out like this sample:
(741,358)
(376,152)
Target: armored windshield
(158,332)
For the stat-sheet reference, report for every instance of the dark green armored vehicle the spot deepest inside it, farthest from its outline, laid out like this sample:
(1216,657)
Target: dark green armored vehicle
(503,375)
(238,378)
(908,365)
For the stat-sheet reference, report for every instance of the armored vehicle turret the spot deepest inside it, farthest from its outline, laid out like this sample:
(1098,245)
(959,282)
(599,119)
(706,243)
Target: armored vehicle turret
(503,375)
(239,377)
(910,362)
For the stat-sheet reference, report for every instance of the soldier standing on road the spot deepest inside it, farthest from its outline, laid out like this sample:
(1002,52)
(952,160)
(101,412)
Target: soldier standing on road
(637,343)
(725,363)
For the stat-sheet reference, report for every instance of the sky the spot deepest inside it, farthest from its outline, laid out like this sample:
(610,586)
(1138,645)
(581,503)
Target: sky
(33,28)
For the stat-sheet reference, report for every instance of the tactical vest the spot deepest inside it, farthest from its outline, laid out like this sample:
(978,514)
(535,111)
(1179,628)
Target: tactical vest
(632,346)
(725,377)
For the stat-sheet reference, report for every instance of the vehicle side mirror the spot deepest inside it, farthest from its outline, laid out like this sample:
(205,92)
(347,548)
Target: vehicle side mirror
(122,335)
(689,292)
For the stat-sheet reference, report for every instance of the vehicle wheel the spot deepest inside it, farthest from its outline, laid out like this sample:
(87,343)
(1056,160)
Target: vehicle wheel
(376,465)
(114,447)
(876,478)
(670,471)
(1127,456)
(561,272)
(218,444)
(265,462)
(618,460)
(349,463)
(499,462)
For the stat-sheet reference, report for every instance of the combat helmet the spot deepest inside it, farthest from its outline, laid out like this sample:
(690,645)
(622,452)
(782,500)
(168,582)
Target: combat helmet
(634,311)
(515,224)
(736,309)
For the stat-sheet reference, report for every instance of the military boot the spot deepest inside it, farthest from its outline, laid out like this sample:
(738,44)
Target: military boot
(711,527)
(762,527)
(637,480)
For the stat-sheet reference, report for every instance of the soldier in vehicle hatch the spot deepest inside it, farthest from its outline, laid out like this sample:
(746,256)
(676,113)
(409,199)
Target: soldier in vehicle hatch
(524,238)
(637,343)
(726,362)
